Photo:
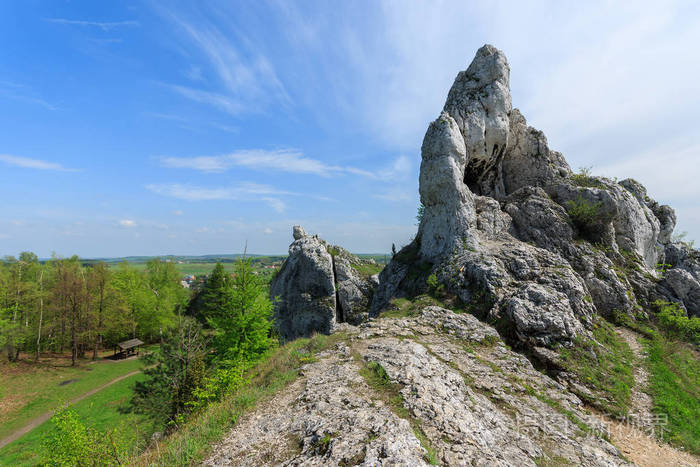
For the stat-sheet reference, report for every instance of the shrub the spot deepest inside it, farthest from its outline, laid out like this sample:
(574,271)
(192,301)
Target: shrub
(73,443)
(587,216)
(673,320)
(419,214)
(584,179)
(432,282)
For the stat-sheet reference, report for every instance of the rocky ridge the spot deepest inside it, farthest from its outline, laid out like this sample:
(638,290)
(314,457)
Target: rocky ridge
(507,224)
(466,400)
(535,252)
(318,287)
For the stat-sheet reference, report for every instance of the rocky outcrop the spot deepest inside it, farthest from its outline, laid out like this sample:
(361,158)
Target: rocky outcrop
(318,287)
(508,225)
(529,251)
(451,393)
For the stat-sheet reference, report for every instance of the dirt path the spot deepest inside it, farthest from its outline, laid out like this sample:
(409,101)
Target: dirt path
(633,436)
(42,418)
(641,403)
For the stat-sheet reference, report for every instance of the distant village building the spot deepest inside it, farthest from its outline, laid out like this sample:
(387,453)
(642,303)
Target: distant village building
(187,281)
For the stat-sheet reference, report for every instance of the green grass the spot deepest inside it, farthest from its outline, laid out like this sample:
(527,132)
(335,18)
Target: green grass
(675,389)
(34,389)
(556,405)
(196,269)
(377,378)
(367,270)
(99,411)
(584,179)
(191,443)
(604,366)
(404,307)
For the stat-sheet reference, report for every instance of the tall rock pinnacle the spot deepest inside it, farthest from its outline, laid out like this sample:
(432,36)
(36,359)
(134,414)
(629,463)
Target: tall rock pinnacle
(480,103)
(508,228)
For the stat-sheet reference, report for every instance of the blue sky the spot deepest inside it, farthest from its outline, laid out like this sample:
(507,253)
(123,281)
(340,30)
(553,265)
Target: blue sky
(147,127)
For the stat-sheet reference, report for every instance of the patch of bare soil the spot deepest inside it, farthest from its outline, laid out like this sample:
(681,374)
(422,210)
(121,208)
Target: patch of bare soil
(635,436)
(645,450)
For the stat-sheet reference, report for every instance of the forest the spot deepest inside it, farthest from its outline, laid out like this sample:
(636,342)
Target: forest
(63,305)
(201,342)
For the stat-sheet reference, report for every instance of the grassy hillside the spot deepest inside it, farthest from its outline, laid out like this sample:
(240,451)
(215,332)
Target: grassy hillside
(102,412)
(28,390)
(675,390)
(191,443)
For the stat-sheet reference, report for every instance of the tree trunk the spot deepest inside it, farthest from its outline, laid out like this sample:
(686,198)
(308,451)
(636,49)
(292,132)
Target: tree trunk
(41,314)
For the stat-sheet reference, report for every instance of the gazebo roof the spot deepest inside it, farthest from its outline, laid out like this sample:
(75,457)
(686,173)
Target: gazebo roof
(129,344)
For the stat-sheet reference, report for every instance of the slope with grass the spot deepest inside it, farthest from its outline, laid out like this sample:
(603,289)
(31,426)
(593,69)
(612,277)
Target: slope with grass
(101,411)
(30,390)
(675,390)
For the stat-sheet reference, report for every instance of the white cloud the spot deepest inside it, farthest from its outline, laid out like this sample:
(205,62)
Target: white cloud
(28,163)
(128,223)
(21,92)
(194,73)
(192,124)
(104,25)
(283,160)
(396,194)
(267,231)
(242,192)
(275,203)
(669,172)
(178,212)
(248,81)
(227,104)
(166,116)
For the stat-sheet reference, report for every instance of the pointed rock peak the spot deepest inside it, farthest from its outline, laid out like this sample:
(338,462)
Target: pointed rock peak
(298,232)
(480,103)
(489,65)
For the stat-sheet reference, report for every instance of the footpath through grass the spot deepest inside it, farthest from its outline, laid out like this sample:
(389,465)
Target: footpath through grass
(100,411)
(30,390)
(675,389)
(605,365)
(193,440)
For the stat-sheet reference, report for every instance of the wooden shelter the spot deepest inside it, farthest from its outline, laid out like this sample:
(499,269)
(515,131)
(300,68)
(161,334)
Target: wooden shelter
(127,348)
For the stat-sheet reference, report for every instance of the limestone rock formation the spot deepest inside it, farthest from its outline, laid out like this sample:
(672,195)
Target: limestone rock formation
(466,399)
(534,253)
(318,287)
(508,227)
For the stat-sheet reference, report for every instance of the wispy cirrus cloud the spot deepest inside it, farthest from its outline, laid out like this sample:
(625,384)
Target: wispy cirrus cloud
(246,80)
(38,164)
(226,103)
(241,192)
(190,124)
(283,160)
(104,25)
(21,92)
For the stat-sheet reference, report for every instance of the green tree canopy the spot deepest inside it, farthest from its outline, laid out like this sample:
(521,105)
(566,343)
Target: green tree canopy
(242,325)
